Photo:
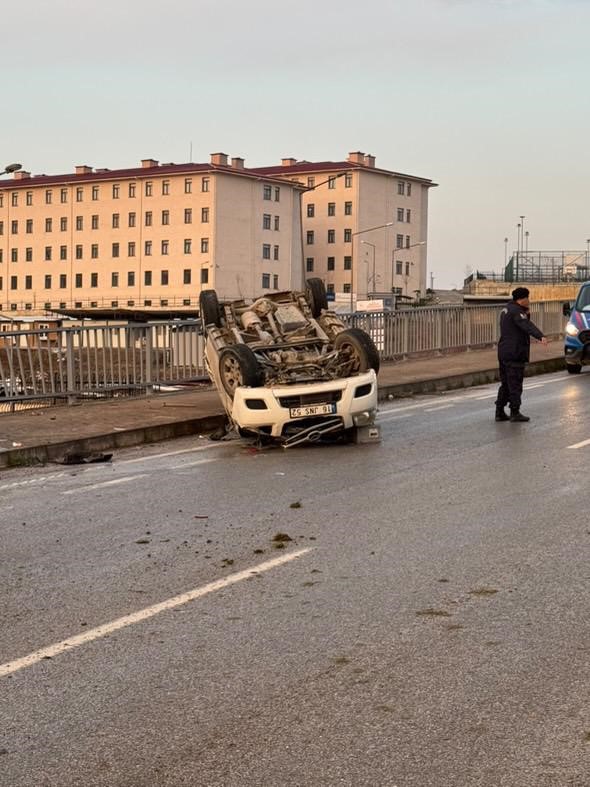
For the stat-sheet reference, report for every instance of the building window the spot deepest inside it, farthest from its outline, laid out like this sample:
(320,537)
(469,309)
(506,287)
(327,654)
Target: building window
(204,275)
(47,281)
(132,190)
(275,253)
(188,246)
(115,221)
(14,282)
(79,252)
(346,287)
(277,193)
(267,192)
(310,182)
(94,279)
(309,265)
(165,187)
(164,278)
(28,199)
(347,263)
(310,210)
(331,208)
(115,250)
(63,224)
(401,187)
(266,251)
(188,185)
(131,220)
(310,237)
(399,268)
(204,245)
(48,196)
(332,182)
(275,281)
(409,189)
(348,180)
(14,227)
(63,196)
(95,193)
(1,228)
(79,194)
(408,241)
(186,276)
(116,190)
(14,255)
(48,253)
(347,236)
(188,215)
(131,278)
(407,268)
(164,247)
(148,188)
(94,251)
(114,279)
(14,199)
(165,217)
(63,281)
(266,219)
(348,208)
(28,282)
(78,281)
(331,236)
(147,278)
(63,252)
(148,218)
(400,214)
(28,254)
(330,288)
(331,263)
(266,281)
(94,221)
(399,241)
(79,223)
(205,215)
(131,248)
(408,215)
(148,248)
(204,184)
(277,223)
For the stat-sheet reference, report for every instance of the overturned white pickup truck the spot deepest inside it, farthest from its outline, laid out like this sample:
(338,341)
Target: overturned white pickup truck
(288,369)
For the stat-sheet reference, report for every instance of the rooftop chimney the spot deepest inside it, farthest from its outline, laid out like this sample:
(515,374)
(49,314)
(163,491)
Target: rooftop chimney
(356,157)
(237,163)
(83,169)
(219,158)
(288,162)
(369,161)
(22,175)
(147,163)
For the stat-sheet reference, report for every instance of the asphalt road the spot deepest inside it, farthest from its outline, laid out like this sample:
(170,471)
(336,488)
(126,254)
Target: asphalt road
(428,624)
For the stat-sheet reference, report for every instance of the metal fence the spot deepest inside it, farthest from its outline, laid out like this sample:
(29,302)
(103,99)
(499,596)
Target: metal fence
(57,365)
(540,267)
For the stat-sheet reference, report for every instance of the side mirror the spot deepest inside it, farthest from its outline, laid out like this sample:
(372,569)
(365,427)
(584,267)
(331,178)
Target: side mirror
(567,309)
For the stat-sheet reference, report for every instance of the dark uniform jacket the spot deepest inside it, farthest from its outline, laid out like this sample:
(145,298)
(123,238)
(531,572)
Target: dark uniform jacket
(516,330)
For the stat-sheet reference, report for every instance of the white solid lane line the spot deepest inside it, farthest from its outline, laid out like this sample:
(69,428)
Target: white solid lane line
(125,480)
(171,453)
(439,407)
(580,445)
(143,614)
(193,464)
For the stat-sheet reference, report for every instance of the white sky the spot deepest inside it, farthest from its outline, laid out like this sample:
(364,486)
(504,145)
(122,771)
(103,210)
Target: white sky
(489,98)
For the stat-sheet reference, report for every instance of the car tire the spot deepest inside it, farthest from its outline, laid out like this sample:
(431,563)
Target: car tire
(237,367)
(360,347)
(210,309)
(574,368)
(316,296)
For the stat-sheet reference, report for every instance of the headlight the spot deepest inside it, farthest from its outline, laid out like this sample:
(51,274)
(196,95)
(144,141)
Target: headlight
(571,329)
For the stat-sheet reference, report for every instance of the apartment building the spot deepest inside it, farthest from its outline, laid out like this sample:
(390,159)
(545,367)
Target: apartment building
(364,228)
(152,236)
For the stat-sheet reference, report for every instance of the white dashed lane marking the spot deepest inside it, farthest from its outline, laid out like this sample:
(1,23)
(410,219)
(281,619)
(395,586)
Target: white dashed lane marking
(102,484)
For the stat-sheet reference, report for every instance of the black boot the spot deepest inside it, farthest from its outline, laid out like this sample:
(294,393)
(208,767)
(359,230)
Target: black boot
(517,417)
(501,414)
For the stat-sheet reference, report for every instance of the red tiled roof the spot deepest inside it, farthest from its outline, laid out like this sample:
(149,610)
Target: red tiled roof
(135,173)
(305,167)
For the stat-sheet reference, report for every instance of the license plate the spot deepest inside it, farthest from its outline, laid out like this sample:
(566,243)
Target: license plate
(312,409)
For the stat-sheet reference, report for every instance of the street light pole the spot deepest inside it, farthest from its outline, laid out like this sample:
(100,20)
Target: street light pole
(352,237)
(505,252)
(372,245)
(400,248)
(10,168)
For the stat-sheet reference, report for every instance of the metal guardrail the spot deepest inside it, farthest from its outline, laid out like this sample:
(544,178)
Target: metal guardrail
(61,365)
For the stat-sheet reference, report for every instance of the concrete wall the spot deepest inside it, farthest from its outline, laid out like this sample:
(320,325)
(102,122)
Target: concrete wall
(539,292)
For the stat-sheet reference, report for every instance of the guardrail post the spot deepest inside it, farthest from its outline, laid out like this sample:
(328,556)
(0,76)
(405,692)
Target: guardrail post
(70,368)
(439,332)
(149,388)
(468,328)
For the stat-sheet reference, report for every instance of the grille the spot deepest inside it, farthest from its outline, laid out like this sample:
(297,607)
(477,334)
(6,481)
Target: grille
(327,397)
(584,337)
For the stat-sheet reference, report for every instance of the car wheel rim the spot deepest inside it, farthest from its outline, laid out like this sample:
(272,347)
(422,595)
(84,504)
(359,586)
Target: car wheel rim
(232,374)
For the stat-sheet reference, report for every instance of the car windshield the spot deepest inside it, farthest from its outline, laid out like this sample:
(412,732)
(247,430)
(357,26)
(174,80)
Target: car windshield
(583,302)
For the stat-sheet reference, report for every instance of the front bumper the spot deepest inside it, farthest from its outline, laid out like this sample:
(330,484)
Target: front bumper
(576,352)
(353,402)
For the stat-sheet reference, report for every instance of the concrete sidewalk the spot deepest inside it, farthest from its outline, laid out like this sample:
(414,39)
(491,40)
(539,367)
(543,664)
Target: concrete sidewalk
(48,434)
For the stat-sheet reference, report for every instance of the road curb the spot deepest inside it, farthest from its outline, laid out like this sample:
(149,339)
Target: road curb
(55,452)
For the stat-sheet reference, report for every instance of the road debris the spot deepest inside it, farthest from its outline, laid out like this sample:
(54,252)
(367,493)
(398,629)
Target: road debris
(296,504)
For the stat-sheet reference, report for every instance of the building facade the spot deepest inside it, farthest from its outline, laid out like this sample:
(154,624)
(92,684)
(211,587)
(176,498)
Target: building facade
(364,228)
(147,237)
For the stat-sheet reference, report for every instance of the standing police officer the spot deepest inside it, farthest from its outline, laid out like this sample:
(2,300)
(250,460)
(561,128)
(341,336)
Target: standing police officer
(514,348)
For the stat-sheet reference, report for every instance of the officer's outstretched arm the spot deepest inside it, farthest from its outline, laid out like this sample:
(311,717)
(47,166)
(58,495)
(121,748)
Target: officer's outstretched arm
(524,324)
